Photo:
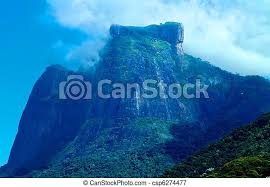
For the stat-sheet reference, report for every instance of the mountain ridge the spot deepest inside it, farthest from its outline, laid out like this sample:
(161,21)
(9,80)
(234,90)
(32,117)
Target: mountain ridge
(88,138)
(233,155)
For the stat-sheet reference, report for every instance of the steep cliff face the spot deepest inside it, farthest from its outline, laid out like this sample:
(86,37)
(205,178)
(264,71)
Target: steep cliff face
(136,54)
(132,137)
(47,123)
(171,32)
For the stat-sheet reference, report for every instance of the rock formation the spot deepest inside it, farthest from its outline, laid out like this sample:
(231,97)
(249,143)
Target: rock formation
(171,32)
(131,137)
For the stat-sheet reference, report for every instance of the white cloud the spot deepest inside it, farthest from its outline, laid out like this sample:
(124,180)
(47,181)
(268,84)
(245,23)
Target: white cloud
(85,50)
(233,34)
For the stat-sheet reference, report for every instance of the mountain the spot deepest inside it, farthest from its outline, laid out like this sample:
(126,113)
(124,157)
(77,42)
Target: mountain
(243,153)
(131,137)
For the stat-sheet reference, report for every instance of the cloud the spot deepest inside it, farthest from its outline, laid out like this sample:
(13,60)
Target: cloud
(233,34)
(87,52)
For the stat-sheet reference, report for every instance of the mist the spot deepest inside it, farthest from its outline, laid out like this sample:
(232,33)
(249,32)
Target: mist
(233,35)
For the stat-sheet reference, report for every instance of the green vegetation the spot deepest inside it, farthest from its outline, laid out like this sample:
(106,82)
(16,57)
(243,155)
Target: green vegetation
(126,150)
(124,138)
(251,167)
(243,153)
(126,53)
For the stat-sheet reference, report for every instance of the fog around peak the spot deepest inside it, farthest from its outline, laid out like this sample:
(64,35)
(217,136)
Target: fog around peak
(234,34)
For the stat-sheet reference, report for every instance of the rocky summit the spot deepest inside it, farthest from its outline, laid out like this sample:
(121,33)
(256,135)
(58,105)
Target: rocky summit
(171,32)
(131,137)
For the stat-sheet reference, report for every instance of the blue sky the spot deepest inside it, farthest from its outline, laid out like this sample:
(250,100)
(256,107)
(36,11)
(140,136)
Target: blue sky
(29,43)
(233,34)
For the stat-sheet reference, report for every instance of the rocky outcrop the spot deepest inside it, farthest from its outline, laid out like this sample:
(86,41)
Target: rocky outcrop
(171,32)
(47,124)
(131,136)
